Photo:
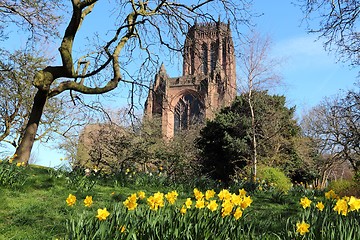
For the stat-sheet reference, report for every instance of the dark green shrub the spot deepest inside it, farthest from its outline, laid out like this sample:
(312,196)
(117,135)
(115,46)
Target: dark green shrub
(274,175)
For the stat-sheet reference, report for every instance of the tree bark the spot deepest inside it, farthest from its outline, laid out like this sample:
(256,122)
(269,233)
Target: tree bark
(253,132)
(24,149)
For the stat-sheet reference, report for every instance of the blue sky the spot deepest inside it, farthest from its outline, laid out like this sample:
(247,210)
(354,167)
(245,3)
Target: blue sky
(309,73)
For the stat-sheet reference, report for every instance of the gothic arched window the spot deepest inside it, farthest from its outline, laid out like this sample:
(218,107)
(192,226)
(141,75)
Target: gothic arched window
(205,58)
(188,111)
(224,53)
(213,56)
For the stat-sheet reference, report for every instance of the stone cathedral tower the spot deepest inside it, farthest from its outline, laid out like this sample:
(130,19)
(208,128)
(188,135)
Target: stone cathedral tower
(208,82)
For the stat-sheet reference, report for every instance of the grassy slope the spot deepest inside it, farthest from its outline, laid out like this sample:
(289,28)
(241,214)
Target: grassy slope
(38,209)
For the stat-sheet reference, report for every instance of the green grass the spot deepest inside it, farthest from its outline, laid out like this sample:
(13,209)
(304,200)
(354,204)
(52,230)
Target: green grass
(37,208)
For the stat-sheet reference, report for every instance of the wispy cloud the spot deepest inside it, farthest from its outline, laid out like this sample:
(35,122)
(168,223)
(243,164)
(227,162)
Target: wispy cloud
(303,51)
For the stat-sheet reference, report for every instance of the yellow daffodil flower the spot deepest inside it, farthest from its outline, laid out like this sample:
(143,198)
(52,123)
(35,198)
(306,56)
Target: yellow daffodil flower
(171,197)
(354,203)
(341,207)
(224,194)
(141,194)
(320,206)
(88,201)
(305,202)
(302,227)
(212,206)
(183,210)
(198,194)
(71,200)
(209,194)
(102,214)
(238,213)
(200,203)
(188,203)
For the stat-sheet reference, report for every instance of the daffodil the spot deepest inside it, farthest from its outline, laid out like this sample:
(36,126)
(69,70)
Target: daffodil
(242,192)
(156,201)
(305,202)
(209,194)
(12,158)
(224,194)
(238,213)
(331,194)
(320,206)
(212,206)
(246,202)
(102,214)
(341,207)
(302,227)
(227,207)
(354,203)
(188,203)
(183,210)
(200,203)
(130,202)
(236,199)
(88,201)
(171,197)
(198,194)
(141,194)
(71,200)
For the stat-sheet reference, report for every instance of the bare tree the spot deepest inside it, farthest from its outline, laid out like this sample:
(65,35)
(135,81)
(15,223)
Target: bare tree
(16,97)
(139,25)
(258,72)
(38,17)
(338,25)
(334,125)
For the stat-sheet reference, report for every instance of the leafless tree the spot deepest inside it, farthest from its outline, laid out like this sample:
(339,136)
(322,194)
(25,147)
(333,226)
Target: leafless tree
(40,18)
(138,30)
(258,71)
(337,23)
(334,126)
(16,96)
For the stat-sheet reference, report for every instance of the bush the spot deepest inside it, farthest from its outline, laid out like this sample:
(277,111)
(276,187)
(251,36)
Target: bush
(345,187)
(274,175)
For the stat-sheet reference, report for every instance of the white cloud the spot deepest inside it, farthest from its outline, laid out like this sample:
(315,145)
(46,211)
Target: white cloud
(303,51)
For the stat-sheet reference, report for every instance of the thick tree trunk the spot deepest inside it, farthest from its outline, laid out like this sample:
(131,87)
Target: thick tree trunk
(24,149)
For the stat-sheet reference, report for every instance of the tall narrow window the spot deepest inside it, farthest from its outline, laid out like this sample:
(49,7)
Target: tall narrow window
(192,61)
(188,111)
(205,58)
(224,54)
(213,56)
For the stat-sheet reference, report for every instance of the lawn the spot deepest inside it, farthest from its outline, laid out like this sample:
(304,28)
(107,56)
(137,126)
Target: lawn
(36,208)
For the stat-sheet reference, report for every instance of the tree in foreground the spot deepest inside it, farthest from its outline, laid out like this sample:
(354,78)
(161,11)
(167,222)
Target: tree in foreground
(146,26)
(225,143)
(258,72)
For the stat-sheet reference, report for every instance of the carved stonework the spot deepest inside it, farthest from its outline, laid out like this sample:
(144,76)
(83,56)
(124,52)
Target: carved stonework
(208,82)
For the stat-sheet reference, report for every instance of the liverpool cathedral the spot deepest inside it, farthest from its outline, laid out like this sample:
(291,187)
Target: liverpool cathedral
(208,82)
